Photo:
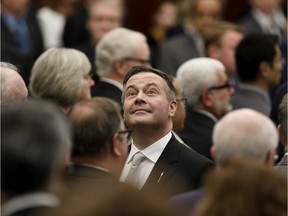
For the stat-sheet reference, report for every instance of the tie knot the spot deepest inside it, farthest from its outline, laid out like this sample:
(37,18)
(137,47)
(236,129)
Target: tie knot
(137,159)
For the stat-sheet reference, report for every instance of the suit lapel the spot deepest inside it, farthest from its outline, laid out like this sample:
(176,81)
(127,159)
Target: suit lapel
(164,169)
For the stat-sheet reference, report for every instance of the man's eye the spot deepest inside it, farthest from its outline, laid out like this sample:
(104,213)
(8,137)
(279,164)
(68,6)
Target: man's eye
(151,92)
(129,94)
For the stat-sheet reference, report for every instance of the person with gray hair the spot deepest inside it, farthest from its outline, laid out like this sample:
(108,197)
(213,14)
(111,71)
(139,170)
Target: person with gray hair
(35,150)
(208,92)
(282,130)
(245,133)
(117,52)
(13,88)
(62,76)
(100,143)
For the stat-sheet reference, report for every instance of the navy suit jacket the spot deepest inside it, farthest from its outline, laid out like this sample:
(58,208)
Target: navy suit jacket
(177,170)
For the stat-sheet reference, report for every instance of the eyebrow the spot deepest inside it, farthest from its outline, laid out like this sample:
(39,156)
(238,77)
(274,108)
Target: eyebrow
(147,85)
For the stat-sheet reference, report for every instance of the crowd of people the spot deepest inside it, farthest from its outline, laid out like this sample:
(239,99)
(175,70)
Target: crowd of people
(189,118)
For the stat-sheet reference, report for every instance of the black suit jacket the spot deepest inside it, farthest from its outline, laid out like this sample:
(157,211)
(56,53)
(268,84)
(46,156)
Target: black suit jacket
(197,132)
(104,89)
(177,170)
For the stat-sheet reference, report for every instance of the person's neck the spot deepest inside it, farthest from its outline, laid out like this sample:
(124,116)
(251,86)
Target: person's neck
(257,84)
(144,137)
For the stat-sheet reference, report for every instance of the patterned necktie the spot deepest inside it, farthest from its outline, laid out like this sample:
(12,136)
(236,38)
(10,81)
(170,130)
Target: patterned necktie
(133,176)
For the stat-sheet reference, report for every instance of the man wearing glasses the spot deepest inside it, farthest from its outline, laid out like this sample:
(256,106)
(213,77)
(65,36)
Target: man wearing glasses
(118,51)
(208,91)
(100,144)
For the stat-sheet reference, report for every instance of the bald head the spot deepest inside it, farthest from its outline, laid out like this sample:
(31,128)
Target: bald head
(245,133)
(13,88)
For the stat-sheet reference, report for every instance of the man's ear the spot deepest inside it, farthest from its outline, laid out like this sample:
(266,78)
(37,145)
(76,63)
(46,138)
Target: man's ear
(264,69)
(116,145)
(212,152)
(213,51)
(206,99)
(281,135)
(173,107)
(270,157)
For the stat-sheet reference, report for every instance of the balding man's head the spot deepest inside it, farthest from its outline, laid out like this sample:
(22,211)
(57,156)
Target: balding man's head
(245,133)
(13,88)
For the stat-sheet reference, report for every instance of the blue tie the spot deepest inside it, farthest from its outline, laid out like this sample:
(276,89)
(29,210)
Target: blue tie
(21,36)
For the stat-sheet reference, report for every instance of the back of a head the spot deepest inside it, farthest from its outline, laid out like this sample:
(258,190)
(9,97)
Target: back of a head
(245,133)
(35,146)
(196,75)
(245,188)
(251,51)
(94,122)
(116,44)
(13,88)
(57,75)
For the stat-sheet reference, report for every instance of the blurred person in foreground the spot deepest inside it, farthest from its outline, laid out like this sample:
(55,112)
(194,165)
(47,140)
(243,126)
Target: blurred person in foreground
(35,151)
(99,145)
(245,134)
(61,75)
(245,188)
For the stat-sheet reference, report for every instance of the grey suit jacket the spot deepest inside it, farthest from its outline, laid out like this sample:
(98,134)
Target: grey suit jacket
(175,52)
(177,170)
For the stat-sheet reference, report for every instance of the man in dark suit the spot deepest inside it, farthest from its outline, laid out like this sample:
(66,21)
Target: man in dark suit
(35,147)
(167,167)
(207,89)
(118,51)
(100,144)
(175,51)
(282,129)
(21,37)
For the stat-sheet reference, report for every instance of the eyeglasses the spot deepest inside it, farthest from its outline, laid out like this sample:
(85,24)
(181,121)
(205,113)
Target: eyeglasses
(226,85)
(183,99)
(126,133)
(142,61)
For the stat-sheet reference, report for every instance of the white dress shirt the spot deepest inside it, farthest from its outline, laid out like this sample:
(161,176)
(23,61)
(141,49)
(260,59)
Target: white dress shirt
(152,154)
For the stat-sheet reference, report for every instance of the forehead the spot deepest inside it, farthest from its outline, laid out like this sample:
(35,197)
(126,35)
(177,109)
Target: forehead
(145,78)
(221,75)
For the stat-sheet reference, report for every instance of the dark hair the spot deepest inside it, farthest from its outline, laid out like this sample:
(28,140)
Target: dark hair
(139,69)
(94,122)
(35,145)
(251,51)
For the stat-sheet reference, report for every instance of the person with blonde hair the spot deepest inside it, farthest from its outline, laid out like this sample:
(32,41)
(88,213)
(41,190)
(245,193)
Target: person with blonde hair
(62,76)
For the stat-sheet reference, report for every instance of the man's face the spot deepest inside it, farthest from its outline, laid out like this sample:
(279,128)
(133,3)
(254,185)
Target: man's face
(103,18)
(274,73)
(221,97)
(208,12)
(180,114)
(146,102)
(226,52)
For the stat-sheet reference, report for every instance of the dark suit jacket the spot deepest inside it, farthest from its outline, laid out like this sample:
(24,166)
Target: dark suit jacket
(177,170)
(175,52)
(104,89)
(197,132)
(11,53)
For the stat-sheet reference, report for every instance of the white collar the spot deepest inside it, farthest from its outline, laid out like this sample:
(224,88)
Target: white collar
(29,200)
(153,151)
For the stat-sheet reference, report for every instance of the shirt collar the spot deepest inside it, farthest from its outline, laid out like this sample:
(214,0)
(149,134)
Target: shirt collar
(153,151)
